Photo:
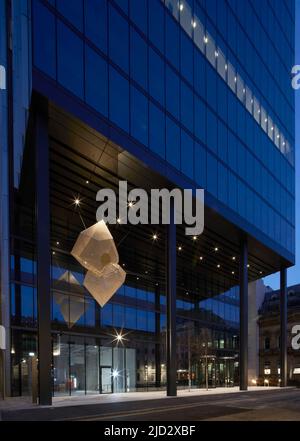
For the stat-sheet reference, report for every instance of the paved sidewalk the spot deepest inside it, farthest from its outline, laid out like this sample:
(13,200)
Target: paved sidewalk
(21,403)
(153,395)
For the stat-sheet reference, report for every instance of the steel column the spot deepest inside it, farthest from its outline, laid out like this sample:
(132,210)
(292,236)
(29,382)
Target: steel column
(243,315)
(43,255)
(283,328)
(157,337)
(171,304)
(6,154)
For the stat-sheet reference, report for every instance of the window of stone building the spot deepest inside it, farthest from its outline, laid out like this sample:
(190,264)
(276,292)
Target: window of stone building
(267,343)
(267,368)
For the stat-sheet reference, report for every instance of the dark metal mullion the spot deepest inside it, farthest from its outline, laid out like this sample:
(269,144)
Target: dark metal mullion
(243,364)
(283,327)
(171,305)
(43,253)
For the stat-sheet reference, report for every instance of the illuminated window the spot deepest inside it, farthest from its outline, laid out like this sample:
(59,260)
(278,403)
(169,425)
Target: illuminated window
(256,110)
(186,18)
(221,64)
(249,100)
(231,77)
(240,89)
(276,137)
(270,129)
(267,368)
(210,50)
(263,119)
(199,37)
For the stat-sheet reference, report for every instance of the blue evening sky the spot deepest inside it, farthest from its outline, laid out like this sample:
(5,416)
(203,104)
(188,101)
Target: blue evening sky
(294,273)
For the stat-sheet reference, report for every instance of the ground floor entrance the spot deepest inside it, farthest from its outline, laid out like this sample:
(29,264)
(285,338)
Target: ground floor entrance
(210,372)
(182,311)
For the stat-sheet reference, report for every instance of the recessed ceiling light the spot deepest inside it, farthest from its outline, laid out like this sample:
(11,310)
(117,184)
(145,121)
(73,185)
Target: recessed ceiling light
(154,237)
(216,249)
(119,337)
(201,258)
(179,248)
(233,258)
(218,266)
(194,237)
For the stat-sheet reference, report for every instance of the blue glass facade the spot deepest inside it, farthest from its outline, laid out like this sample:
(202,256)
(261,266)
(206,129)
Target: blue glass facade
(203,85)
(199,92)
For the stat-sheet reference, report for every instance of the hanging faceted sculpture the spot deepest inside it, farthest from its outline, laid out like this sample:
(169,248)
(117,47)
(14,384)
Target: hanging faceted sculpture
(96,251)
(95,248)
(71,306)
(71,310)
(66,282)
(103,287)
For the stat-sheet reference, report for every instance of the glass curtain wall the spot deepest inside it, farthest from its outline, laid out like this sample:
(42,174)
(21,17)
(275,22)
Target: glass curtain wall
(207,340)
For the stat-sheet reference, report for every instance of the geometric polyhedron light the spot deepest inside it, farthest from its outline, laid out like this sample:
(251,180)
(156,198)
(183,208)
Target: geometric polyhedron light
(95,248)
(71,307)
(104,286)
(67,278)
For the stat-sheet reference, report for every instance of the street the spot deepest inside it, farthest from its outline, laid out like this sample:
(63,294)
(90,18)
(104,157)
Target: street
(264,405)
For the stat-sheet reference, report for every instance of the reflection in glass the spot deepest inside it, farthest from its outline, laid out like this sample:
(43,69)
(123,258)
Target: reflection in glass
(77,368)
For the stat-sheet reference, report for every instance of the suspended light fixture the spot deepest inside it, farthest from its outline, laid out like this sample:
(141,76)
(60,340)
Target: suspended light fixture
(95,248)
(71,307)
(103,287)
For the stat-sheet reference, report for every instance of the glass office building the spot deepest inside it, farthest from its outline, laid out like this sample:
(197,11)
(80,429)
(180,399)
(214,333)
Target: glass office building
(162,94)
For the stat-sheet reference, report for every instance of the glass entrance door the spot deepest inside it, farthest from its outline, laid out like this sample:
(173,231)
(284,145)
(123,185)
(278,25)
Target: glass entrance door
(225,372)
(207,372)
(105,380)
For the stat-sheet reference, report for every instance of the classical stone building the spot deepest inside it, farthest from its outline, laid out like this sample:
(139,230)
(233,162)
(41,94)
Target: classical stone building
(269,337)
